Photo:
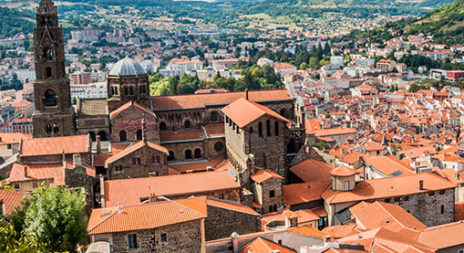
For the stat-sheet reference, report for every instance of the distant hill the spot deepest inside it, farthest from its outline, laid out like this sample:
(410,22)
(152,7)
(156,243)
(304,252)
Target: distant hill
(446,23)
(13,22)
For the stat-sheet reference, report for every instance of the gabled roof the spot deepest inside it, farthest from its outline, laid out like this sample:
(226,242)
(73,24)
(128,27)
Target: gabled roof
(141,217)
(244,112)
(304,192)
(371,189)
(262,175)
(12,138)
(260,245)
(134,147)
(231,206)
(127,106)
(311,170)
(177,102)
(443,236)
(55,145)
(10,199)
(131,191)
(389,165)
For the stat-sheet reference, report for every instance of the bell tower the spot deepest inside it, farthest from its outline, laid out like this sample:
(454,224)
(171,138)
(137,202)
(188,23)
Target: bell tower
(54,114)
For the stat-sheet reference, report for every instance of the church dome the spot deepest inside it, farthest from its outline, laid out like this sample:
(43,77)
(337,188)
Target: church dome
(127,67)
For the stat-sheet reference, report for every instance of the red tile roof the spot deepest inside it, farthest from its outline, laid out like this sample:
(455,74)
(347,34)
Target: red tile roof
(342,171)
(231,206)
(128,105)
(10,199)
(201,100)
(130,191)
(312,170)
(260,245)
(334,131)
(304,192)
(134,147)
(371,189)
(181,135)
(55,145)
(254,111)
(263,175)
(12,138)
(141,217)
(443,236)
(214,130)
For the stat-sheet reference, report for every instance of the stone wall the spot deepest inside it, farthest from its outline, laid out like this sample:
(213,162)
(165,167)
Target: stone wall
(182,237)
(130,120)
(147,167)
(263,197)
(223,222)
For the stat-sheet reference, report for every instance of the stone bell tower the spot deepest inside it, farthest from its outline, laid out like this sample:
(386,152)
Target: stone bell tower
(54,114)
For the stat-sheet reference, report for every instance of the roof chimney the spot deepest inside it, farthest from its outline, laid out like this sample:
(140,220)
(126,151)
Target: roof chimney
(25,172)
(421,184)
(98,144)
(246,94)
(234,237)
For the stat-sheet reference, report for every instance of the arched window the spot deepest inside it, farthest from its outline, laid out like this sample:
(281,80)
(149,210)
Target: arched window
(187,124)
(139,134)
(49,128)
(56,128)
(126,91)
(122,136)
(131,90)
(213,117)
(197,153)
(276,128)
(268,127)
(188,154)
(171,156)
(48,72)
(50,98)
(92,136)
(218,146)
(112,91)
(142,89)
(163,126)
(260,129)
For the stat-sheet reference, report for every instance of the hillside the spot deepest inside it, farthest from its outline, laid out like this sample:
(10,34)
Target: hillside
(446,24)
(14,21)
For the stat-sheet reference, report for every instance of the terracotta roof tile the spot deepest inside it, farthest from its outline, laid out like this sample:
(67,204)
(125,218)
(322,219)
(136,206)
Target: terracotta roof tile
(196,166)
(134,147)
(388,187)
(56,145)
(304,192)
(128,105)
(235,111)
(443,236)
(231,206)
(130,191)
(214,130)
(312,170)
(260,245)
(10,199)
(12,138)
(263,175)
(194,134)
(201,100)
(140,217)
(342,171)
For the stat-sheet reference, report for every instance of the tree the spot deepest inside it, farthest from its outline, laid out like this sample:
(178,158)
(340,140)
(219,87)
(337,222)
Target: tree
(313,63)
(53,216)
(11,242)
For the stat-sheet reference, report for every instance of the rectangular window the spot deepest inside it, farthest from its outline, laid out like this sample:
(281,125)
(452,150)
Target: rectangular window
(8,146)
(397,199)
(347,185)
(271,194)
(431,194)
(132,239)
(442,209)
(164,238)
(387,200)
(16,186)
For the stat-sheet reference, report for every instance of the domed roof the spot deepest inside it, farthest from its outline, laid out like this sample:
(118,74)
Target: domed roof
(127,67)
(342,171)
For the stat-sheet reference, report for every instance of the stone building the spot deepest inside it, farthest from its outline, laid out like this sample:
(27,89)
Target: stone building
(141,159)
(255,139)
(426,196)
(267,191)
(53,114)
(151,227)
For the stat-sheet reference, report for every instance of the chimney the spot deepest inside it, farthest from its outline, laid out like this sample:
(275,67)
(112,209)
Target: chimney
(102,191)
(421,184)
(234,237)
(77,161)
(98,144)
(25,172)
(246,94)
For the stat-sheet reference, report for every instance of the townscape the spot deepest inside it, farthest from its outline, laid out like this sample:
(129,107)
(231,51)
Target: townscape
(155,138)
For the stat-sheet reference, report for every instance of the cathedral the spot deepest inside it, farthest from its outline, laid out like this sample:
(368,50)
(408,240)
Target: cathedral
(254,134)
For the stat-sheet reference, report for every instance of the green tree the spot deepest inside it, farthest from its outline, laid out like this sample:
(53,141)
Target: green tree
(53,216)
(304,65)
(313,63)
(10,241)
